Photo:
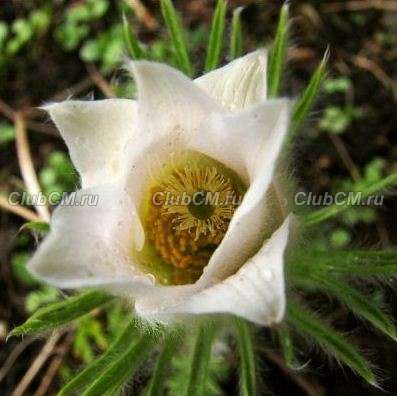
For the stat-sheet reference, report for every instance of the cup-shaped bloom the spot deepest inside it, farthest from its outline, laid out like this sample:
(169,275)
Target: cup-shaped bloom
(188,218)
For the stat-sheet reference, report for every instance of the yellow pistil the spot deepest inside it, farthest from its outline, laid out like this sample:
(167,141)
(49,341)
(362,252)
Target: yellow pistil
(186,214)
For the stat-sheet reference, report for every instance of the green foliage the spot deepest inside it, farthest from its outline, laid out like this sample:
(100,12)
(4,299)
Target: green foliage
(236,35)
(305,103)
(328,212)
(216,36)
(358,303)
(337,85)
(177,35)
(41,297)
(245,343)
(287,346)
(278,54)
(329,340)
(121,368)
(125,339)
(337,119)
(58,175)
(61,313)
(157,382)
(7,132)
(89,332)
(131,42)
(18,263)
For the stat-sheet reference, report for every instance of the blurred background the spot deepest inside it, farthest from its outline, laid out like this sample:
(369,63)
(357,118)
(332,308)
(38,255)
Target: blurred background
(51,50)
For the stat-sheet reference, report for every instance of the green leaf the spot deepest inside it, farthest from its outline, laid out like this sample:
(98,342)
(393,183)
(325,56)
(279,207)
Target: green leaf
(359,304)
(357,263)
(287,346)
(330,340)
(41,227)
(331,211)
(198,375)
(61,313)
(247,357)
(177,35)
(278,53)
(306,101)
(126,338)
(216,36)
(122,367)
(134,49)
(236,36)
(159,376)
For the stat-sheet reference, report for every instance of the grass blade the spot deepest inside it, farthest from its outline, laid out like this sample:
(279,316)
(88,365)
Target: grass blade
(94,370)
(177,35)
(247,358)
(278,53)
(287,347)
(236,36)
(159,376)
(330,340)
(358,263)
(306,101)
(216,37)
(326,213)
(359,304)
(134,49)
(61,313)
(199,365)
(122,367)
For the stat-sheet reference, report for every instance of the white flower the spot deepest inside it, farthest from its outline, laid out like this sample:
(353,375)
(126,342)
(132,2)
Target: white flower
(217,133)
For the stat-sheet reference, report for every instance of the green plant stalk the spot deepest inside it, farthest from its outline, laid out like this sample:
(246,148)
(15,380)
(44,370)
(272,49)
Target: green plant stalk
(305,103)
(61,313)
(159,376)
(120,370)
(125,339)
(278,53)
(199,367)
(177,35)
(324,214)
(216,37)
(236,36)
(132,44)
(287,346)
(247,357)
(332,342)
(358,303)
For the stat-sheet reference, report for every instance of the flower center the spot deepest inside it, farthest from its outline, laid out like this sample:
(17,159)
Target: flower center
(186,213)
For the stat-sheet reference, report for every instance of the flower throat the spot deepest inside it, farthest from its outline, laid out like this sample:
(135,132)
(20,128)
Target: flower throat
(186,212)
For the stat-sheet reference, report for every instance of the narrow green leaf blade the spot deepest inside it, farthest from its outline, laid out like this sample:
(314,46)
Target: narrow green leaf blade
(60,313)
(199,365)
(134,49)
(159,376)
(287,346)
(247,357)
(328,212)
(236,36)
(278,53)
(177,35)
(330,340)
(122,367)
(359,304)
(216,36)
(125,339)
(306,101)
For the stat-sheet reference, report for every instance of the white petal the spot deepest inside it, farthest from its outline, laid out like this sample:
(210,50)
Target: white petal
(239,84)
(249,143)
(96,133)
(91,245)
(256,292)
(168,101)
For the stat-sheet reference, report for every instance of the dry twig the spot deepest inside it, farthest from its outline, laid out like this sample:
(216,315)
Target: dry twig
(143,14)
(37,364)
(26,164)
(19,210)
(100,81)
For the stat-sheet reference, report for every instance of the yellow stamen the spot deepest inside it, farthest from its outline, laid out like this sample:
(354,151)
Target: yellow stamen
(186,214)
